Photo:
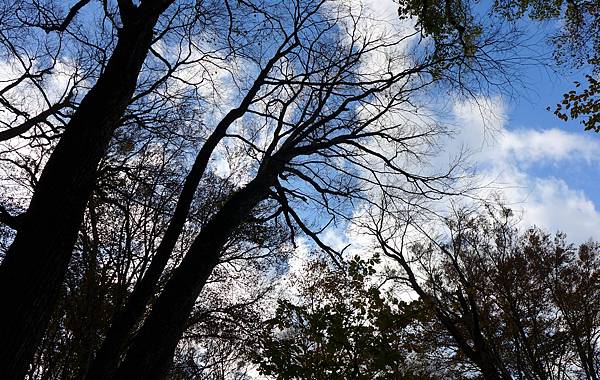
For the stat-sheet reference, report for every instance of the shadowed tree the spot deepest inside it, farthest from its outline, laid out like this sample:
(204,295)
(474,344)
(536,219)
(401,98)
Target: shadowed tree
(320,131)
(506,299)
(36,262)
(321,115)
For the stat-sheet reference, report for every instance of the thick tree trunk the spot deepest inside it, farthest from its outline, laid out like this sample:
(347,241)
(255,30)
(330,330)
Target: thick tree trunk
(151,352)
(34,267)
(114,345)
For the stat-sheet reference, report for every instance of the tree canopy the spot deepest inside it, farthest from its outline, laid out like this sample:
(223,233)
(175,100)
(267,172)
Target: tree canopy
(167,164)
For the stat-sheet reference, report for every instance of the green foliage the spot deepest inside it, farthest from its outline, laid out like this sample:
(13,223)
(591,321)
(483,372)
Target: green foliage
(449,23)
(341,327)
(584,104)
(535,9)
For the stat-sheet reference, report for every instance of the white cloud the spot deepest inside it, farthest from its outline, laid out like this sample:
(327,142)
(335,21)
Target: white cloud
(551,144)
(557,207)
(508,156)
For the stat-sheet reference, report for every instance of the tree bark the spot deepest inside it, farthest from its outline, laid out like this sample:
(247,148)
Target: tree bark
(34,267)
(151,352)
(108,356)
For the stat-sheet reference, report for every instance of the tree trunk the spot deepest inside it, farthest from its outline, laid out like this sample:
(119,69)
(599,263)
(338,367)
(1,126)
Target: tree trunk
(152,350)
(117,337)
(34,267)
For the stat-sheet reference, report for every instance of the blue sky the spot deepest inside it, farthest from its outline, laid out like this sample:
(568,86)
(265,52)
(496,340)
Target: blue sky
(551,170)
(546,169)
(575,166)
(528,111)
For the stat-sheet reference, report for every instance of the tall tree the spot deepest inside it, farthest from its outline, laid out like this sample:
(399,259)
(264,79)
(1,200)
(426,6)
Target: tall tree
(35,265)
(122,325)
(317,115)
(321,131)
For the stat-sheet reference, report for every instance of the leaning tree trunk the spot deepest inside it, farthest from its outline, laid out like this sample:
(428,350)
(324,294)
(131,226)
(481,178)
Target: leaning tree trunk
(35,265)
(114,345)
(151,352)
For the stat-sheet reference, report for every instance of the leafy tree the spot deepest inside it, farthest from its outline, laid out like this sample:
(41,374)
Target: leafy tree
(585,103)
(576,45)
(576,42)
(340,326)
(508,300)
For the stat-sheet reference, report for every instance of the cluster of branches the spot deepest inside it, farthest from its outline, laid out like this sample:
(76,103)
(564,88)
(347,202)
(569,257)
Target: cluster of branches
(574,39)
(576,45)
(116,117)
(489,302)
(508,304)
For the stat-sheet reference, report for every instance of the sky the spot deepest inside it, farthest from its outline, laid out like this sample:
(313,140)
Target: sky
(547,169)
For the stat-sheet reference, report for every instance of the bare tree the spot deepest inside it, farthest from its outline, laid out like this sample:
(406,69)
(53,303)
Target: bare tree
(37,260)
(322,114)
(320,130)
